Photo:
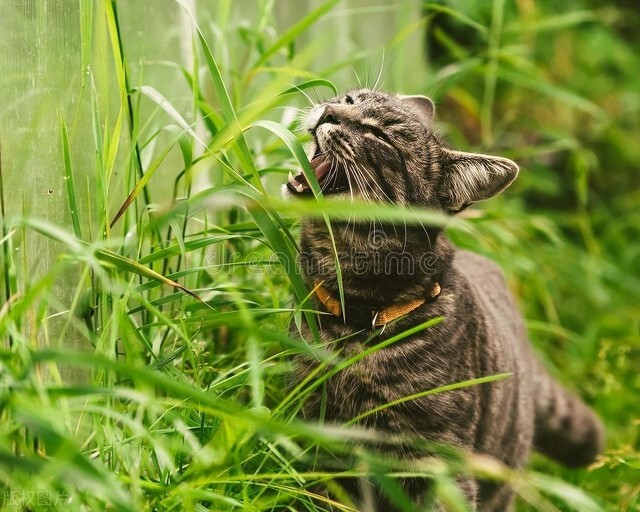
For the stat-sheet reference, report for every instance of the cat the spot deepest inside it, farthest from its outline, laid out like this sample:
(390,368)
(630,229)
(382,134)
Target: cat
(381,147)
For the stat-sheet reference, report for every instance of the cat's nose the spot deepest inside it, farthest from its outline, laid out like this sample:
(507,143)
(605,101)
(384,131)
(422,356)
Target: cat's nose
(329,115)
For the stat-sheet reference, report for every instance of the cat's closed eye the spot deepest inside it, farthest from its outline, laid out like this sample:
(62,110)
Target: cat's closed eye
(376,131)
(387,123)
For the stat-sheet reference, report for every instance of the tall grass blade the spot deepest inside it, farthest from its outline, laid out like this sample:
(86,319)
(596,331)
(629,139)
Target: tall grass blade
(293,32)
(65,457)
(574,498)
(228,112)
(6,254)
(70,182)
(296,149)
(158,98)
(441,389)
(310,84)
(113,25)
(459,16)
(123,263)
(552,91)
(141,183)
(106,256)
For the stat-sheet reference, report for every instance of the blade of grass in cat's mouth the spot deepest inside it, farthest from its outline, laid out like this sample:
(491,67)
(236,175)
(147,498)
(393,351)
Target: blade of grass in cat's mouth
(330,175)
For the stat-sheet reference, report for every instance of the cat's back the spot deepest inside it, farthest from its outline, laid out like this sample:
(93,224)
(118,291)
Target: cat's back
(492,297)
(503,347)
(479,270)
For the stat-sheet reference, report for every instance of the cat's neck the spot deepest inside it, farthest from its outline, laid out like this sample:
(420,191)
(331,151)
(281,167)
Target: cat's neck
(378,266)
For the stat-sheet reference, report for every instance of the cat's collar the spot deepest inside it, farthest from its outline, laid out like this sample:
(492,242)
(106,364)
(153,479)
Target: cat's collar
(378,318)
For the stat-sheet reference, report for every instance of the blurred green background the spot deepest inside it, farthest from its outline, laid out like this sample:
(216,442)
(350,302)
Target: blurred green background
(140,144)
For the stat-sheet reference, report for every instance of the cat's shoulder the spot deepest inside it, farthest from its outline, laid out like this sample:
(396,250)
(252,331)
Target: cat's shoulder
(470,263)
(479,272)
(481,282)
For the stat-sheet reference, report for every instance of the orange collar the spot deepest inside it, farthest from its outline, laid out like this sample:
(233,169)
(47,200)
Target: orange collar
(381,317)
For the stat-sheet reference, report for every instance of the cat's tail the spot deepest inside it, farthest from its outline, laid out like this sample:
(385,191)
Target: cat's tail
(566,429)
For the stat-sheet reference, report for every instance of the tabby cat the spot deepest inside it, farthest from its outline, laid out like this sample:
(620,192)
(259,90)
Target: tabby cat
(381,147)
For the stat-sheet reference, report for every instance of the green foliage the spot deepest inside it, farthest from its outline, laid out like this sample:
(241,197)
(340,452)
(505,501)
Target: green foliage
(181,399)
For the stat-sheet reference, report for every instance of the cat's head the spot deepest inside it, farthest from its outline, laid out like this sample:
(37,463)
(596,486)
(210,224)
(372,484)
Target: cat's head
(381,147)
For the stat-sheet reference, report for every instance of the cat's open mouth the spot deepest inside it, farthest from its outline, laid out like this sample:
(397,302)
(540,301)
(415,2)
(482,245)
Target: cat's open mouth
(331,177)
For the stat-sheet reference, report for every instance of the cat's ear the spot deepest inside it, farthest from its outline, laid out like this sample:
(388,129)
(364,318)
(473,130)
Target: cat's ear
(469,177)
(422,106)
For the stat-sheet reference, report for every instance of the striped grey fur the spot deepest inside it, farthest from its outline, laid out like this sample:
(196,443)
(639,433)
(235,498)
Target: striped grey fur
(385,147)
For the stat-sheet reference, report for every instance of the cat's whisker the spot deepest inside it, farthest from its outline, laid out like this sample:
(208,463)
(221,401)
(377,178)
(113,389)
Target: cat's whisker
(356,174)
(374,183)
(301,118)
(321,153)
(366,173)
(349,177)
(406,235)
(332,175)
(426,232)
(352,199)
(311,102)
(375,85)
(367,74)
(357,77)
(302,111)
(362,183)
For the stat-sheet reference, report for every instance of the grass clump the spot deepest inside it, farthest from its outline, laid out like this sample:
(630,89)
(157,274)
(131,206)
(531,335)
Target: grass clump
(147,368)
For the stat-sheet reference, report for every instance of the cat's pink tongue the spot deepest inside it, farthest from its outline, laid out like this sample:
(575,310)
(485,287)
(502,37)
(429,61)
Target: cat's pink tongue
(321,166)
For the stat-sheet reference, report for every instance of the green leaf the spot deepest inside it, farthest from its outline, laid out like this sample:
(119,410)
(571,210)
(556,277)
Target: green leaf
(296,30)
(573,497)
(158,98)
(229,113)
(558,22)
(555,92)
(428,392)
(66,458)
(142,182)
(457,15)
(70,182)
(124,263)
(310,84)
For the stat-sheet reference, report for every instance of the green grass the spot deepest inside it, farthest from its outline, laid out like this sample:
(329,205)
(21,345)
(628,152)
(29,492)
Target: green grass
(149,367)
